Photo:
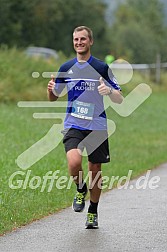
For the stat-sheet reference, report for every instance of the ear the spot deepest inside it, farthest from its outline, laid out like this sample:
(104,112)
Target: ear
(91,42)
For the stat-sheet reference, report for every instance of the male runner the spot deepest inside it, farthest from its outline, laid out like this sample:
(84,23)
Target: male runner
(87,80)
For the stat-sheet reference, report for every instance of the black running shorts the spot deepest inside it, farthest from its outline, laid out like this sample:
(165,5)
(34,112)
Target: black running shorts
(95,142)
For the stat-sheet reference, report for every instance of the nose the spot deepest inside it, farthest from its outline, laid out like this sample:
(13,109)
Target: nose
(79,41)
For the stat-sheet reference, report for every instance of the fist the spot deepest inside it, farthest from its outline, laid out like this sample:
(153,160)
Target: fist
(51,84)
(102,88)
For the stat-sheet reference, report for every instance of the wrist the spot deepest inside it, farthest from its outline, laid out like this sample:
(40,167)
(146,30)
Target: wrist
(54,92)
(110,90)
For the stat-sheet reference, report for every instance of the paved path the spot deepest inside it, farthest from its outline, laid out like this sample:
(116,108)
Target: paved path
(130,220)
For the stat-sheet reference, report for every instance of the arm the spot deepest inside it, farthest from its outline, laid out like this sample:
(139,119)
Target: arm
(52,96)
(115,95)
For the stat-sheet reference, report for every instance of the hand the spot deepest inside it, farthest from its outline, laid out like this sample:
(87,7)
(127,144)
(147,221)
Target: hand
(103,88)
(51,84)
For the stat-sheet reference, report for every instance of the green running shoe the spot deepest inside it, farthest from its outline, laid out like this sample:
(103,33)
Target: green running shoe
(92,221)
(79,201)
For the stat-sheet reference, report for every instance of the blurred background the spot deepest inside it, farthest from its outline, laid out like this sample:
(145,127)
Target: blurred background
(135,30)
(36,37)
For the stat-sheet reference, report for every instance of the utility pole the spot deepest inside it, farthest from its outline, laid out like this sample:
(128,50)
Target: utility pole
(158,68)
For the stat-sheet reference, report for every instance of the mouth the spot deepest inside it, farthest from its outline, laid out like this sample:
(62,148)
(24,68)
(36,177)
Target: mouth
(80,47)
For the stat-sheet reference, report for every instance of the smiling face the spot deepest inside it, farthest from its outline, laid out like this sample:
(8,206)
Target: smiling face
(82,43)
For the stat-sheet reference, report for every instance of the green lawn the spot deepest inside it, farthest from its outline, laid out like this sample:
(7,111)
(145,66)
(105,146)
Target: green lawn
(139,143)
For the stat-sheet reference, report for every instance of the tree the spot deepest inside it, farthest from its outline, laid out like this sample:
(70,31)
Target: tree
(13,15)
(50,23)
(139,31)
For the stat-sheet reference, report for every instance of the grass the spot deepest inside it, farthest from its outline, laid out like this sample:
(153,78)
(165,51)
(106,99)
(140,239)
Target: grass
(16,75)
(138,144)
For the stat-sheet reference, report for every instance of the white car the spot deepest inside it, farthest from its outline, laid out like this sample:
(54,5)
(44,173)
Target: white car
(41,52)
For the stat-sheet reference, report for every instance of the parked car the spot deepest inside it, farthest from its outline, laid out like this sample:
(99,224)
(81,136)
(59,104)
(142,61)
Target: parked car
(46,53)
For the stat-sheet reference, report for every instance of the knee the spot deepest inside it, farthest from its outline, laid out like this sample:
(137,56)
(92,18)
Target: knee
(74,164)
(74,159)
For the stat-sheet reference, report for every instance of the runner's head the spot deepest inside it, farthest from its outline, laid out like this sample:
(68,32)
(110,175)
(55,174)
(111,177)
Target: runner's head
(82,39)
(89,31)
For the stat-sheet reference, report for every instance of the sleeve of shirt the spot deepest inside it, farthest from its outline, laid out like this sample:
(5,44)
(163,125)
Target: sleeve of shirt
(60,81)
(110,78)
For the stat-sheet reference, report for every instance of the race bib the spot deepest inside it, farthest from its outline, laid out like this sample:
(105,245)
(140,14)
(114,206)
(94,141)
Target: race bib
(83,110)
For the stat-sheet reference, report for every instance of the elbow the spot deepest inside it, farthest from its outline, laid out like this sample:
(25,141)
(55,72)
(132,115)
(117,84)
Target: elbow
(120,99)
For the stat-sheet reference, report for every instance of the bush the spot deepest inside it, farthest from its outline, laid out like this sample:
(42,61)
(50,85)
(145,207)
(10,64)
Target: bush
(16,70)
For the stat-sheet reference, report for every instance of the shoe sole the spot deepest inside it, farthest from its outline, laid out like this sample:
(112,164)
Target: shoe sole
(91,227)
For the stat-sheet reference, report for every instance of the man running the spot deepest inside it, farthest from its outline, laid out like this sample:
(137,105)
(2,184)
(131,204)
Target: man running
(87,80)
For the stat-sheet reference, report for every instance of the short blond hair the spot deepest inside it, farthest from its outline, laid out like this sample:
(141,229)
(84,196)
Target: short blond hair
(89,31)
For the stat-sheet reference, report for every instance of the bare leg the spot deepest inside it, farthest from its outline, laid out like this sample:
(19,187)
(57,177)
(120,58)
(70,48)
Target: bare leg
(75,169)
(95,181)
(74,159)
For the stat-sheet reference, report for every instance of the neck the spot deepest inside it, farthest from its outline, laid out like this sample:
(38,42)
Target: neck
(83,57)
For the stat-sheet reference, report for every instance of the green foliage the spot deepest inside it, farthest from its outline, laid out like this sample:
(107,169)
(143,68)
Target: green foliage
(130,44)
(137,34)
(16,71)
(50,23)
(139,31)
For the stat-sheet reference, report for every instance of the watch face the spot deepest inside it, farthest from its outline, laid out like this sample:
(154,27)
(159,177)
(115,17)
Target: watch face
(110,91)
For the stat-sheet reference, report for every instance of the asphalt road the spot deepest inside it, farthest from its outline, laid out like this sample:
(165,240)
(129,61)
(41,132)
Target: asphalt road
(129,220)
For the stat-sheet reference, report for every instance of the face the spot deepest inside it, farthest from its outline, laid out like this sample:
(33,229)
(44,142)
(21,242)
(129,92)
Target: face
(81,42)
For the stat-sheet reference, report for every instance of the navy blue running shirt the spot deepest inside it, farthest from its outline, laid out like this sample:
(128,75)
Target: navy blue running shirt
(85,109)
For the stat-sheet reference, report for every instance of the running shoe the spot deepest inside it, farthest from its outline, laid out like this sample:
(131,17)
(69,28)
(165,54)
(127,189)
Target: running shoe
(79,201)
(92,221)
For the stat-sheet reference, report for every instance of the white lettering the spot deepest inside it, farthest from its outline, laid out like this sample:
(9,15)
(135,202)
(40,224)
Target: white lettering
(152,181)
(123,182)
(19,182)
